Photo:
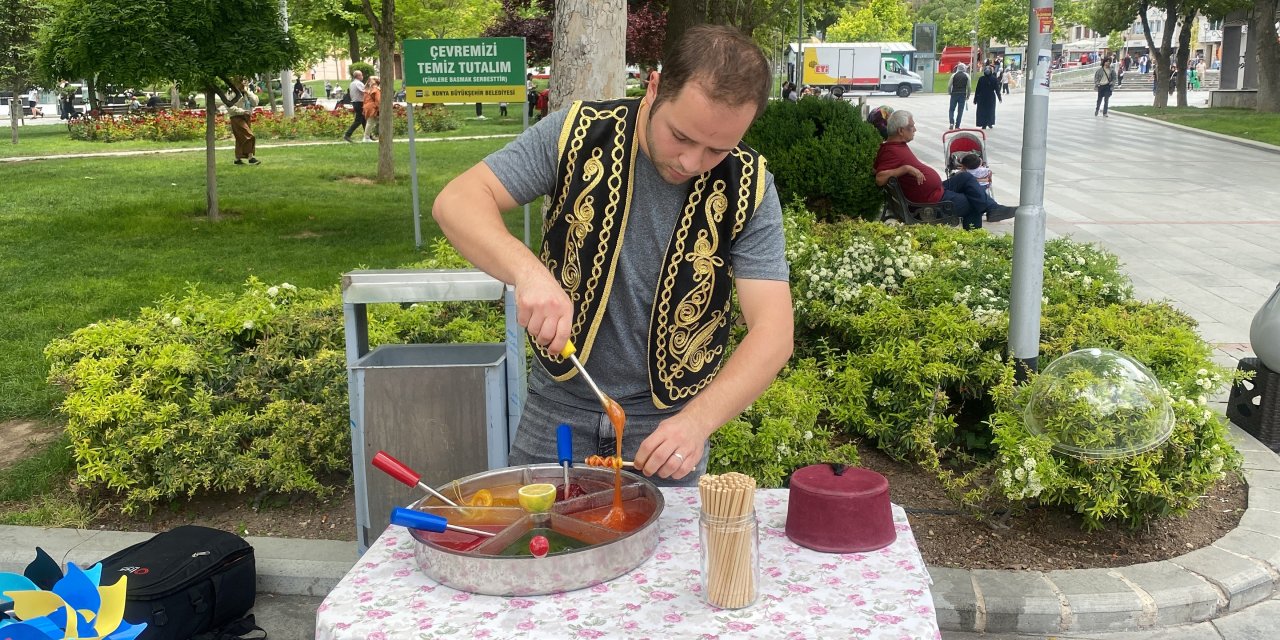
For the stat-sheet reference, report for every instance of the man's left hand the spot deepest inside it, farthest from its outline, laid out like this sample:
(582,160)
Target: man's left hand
(673,450)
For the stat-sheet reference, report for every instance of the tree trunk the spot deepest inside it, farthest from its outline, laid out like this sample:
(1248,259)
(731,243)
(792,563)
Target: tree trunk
(14,110)
(1268,55)
(93,93)
(387,63)
(682,15)
(588,51)
(353,43)
(174,98)
(210,156)
(271,93)
(1184,55)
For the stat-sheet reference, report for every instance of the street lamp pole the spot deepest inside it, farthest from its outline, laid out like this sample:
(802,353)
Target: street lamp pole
(799,71)
(286,75)
(973,61)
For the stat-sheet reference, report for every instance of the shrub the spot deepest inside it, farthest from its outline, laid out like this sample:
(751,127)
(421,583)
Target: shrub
(780,432)
(821,151)
(363,67)
(909,326)
(230,392)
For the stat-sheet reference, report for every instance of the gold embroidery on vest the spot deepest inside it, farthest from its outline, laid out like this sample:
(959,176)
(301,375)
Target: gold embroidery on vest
(581,220)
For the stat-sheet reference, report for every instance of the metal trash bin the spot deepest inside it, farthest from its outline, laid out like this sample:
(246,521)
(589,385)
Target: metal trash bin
(446,410)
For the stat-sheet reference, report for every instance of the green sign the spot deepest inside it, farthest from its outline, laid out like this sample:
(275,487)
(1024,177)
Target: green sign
(468,70)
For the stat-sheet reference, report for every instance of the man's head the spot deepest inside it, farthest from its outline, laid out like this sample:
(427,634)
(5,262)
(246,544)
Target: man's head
(710,90)
(962,67)
(357,74)
(901,126)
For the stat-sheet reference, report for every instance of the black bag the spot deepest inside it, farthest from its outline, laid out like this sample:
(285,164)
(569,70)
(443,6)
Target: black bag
(184,582)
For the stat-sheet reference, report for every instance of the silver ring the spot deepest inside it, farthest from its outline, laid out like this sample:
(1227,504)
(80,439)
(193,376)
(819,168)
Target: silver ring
(678,455)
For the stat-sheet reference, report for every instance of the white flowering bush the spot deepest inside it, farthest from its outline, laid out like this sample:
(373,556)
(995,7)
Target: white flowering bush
(908,329)
(230,392)
(780,432)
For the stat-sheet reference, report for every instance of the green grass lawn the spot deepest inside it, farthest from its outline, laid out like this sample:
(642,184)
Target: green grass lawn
(1241,123)
(96,238)
(940,82)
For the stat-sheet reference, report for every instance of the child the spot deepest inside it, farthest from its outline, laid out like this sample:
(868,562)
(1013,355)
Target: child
(973,164)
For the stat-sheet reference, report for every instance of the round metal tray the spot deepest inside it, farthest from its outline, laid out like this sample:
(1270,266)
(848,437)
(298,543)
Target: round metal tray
(477,571)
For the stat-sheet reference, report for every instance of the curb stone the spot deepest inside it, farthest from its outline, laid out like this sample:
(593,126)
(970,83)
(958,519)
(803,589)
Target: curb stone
(285,566)
(1263,146)
(1239,569)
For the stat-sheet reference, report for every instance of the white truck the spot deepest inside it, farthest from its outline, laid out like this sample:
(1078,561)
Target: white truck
(840,67)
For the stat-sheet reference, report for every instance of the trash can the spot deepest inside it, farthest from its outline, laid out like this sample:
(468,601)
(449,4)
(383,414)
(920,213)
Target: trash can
(445,410)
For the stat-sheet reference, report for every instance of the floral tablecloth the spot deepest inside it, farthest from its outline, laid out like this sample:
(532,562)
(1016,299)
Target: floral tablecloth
(804,593)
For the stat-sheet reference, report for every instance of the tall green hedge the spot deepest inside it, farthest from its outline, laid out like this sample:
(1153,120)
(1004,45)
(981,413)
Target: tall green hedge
(821,151)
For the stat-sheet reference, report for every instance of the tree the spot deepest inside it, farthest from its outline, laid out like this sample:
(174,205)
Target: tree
(1264,26)
(646,31)
(873,21)
(528,19)
(340,18)
(384,32)
(201,45)
(746,16)
(954,19)
(18,20)
(1007,20)
(588,50)
(445,18)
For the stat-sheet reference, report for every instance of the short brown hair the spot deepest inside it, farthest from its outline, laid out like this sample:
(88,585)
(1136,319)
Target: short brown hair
(725,62)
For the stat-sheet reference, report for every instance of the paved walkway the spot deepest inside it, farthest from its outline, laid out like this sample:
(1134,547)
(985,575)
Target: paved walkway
(1193,218)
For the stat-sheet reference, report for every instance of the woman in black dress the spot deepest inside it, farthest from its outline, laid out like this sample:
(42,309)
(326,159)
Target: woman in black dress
(985,96)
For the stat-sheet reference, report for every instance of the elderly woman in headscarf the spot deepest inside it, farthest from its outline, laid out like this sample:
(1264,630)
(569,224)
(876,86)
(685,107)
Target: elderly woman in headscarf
(985,96)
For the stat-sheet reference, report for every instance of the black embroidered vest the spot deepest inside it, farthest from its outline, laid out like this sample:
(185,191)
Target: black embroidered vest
(586,226)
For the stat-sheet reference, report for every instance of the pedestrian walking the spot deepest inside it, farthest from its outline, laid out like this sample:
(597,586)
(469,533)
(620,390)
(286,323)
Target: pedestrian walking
(239,113)
(356,93)
(372,106)
(985,96)
(958,87)
(1103,82)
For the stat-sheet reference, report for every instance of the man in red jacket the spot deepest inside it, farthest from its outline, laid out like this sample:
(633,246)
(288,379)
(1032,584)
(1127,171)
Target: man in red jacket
(896,160)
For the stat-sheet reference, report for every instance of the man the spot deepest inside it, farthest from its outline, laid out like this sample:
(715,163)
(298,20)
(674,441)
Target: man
(356,92)
(958,87)
(920,183)
(658,212)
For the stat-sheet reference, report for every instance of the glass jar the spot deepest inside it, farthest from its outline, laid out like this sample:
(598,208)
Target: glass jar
(730,560)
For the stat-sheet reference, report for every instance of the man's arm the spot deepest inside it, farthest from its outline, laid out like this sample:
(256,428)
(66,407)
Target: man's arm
(766,307)
(882,177)
(469,211)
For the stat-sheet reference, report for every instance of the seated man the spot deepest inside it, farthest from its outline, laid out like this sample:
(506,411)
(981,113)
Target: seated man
(896,160)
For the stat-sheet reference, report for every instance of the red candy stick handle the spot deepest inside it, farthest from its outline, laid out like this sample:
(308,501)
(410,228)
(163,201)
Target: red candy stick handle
(401,472)
(396,469)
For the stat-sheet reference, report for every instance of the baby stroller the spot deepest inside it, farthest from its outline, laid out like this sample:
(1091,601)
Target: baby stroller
(966,150)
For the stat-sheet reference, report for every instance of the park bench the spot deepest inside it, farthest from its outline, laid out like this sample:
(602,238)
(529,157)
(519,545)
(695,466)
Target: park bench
(897,206)
(306,102)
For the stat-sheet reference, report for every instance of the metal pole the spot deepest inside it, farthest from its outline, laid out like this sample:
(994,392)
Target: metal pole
(286,75)
(413,180)
(799,73)
(1029,222)
(525,113)
(973,66)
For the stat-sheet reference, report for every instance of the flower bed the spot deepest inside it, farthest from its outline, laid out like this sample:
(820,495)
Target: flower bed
(902,333)
(308,122)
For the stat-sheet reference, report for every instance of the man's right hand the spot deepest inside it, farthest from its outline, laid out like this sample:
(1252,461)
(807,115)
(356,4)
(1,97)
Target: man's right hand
(543,308)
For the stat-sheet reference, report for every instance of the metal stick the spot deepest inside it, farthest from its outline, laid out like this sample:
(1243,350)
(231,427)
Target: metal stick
(474,532)
(437,494)
(604,400)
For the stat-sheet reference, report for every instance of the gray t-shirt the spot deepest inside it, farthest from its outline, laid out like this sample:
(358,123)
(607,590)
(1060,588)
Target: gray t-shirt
(619,358)
(357,91)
